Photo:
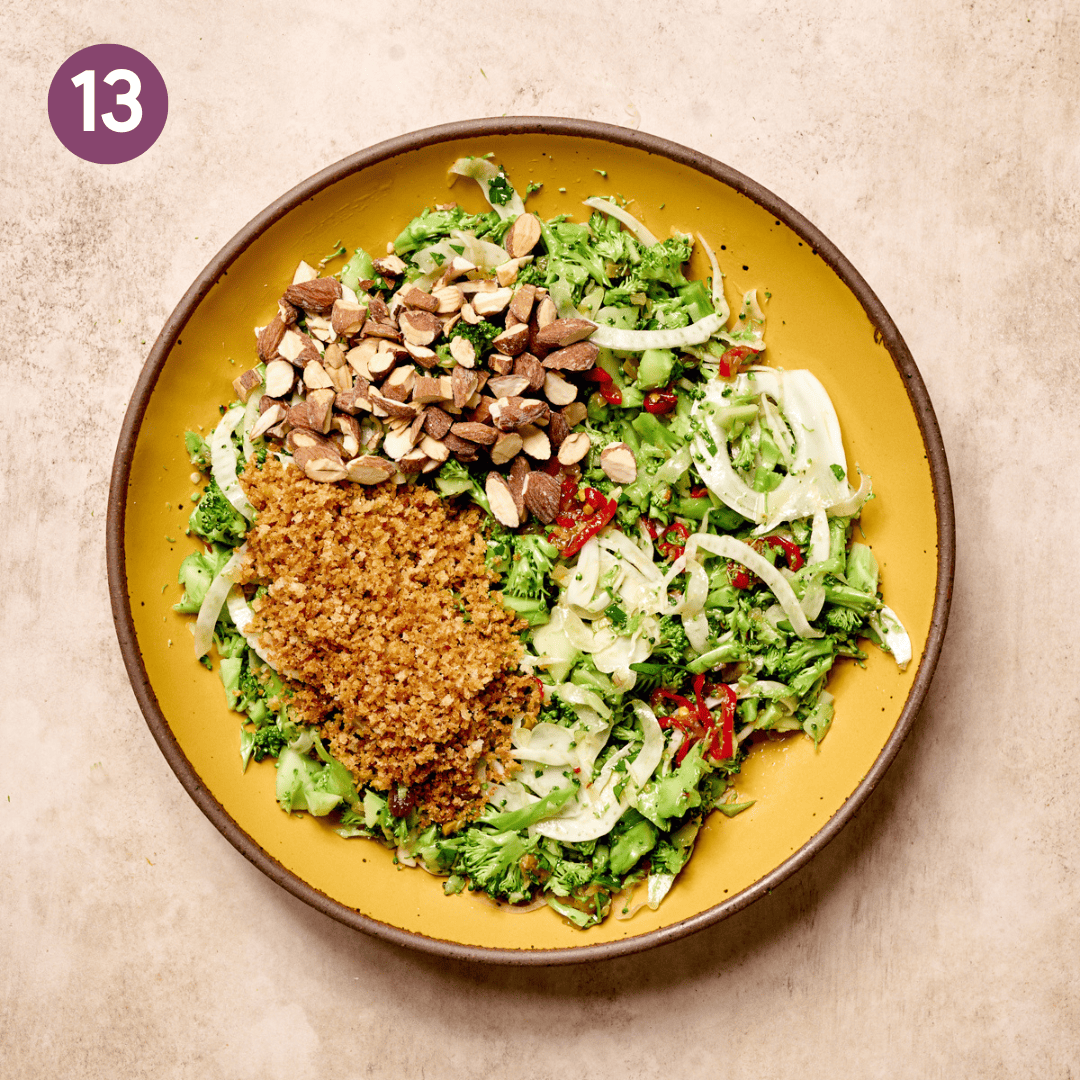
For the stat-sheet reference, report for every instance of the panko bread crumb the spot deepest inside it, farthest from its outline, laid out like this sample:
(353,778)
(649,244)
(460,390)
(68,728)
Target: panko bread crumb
(379,604)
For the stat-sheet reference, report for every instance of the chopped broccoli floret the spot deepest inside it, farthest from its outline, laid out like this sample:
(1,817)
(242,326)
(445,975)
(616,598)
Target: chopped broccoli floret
(267,741)
(216,519)
(481,334)
(493,863)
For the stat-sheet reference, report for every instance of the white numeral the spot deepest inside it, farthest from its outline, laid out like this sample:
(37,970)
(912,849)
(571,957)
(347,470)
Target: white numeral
(129,98)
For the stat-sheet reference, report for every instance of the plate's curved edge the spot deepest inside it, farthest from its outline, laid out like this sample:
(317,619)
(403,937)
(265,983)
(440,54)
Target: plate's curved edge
(121,472)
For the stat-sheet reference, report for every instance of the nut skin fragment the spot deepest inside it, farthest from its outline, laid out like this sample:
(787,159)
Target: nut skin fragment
(316,296)
(558,429)
(619,463)
(311,414)
(575,446)
(436,422)
(541,494)
(270,338)
(347,318)
(412,297)
(464,383)
(369,469)
(506,448)
(522,304)
(522,236)
(501,501)
(578,357)
(246,383)
(477,433)
(530,368)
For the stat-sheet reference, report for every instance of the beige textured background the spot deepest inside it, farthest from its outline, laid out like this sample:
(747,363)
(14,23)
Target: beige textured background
(937,143)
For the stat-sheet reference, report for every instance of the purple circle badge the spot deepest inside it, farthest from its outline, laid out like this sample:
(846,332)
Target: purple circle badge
(108,104)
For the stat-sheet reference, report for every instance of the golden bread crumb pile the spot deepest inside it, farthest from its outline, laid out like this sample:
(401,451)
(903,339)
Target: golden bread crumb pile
(379,605)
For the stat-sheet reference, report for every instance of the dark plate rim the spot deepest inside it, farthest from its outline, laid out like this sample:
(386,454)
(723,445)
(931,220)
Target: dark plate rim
(885,329)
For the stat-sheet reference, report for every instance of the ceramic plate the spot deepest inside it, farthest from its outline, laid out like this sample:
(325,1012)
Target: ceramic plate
(821,315)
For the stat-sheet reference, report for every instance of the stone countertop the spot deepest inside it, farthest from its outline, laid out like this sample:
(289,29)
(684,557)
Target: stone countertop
(938,146)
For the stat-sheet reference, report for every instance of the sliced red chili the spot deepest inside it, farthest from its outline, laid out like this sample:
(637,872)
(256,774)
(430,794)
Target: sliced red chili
(672,550)
(611,394)
(699,493)
(660,402)
(735,359)
(583,512)
(791,550)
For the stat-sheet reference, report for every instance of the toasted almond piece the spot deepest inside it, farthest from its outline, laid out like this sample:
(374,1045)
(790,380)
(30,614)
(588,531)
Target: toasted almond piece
(542,494)
(413,297)
(341,377)
(313,415)
(469,315)
(463,351)
(534,442)
(491,303)
(401,381)
(347,317)
(527,365)
(389,266)
(558,429)
(414,461)
(448,299)
(574,447)
(288,313)
(500,363)
(420,327)
(315,376)
(304,272)
(317,295)
(507,272)
(382,362)
(512,342)
(557,389)
(299,437)
(269,339)
(369,469)
(291,346)
(434,449)
(506,447)
(546,312)
(522,304)
(356,398)
(399,410)
(437,421)
(619,464)
(457,446)
(580,356)
(477,433)
(563,332)
(575,413)
(425,357)
(481,412)
(270,417)
(334,357)
(359,356)
(320,463)
(501,501)
(245,383)
(463,383)
(522,236)
(511,414)
(398,442)
(349,427)
(507,385)
(457,267)
(427,389)
(515,481)
(379,329)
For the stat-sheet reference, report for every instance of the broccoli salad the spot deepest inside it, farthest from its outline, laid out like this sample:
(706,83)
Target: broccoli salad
(669,516)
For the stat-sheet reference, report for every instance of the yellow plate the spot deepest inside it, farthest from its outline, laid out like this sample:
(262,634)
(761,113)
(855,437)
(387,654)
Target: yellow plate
(821,315)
